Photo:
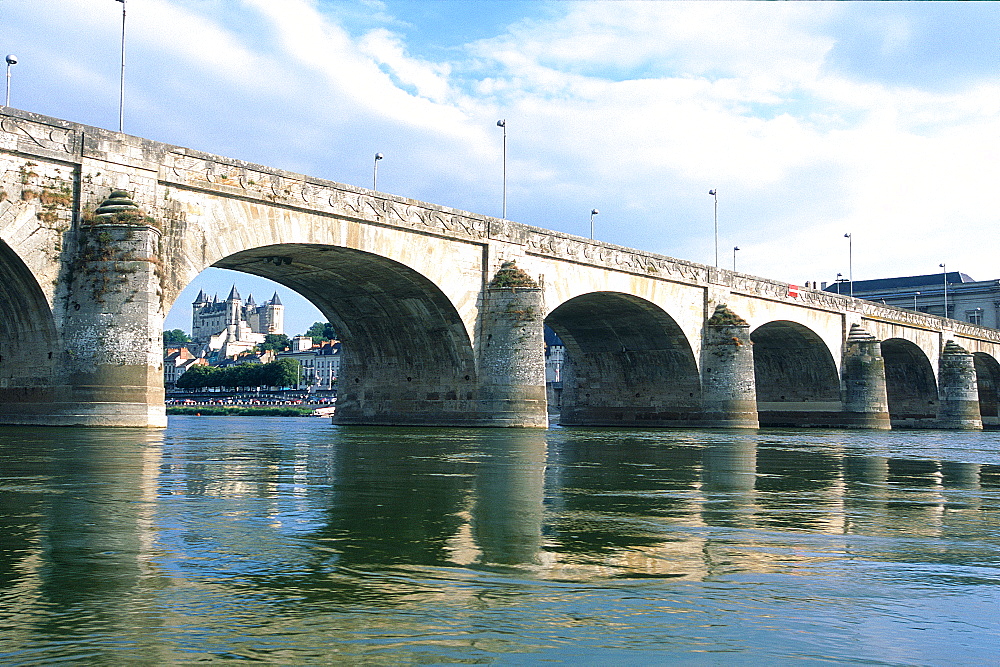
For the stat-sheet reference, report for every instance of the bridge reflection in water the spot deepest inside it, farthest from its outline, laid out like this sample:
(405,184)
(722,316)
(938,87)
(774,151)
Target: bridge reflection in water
(293,541)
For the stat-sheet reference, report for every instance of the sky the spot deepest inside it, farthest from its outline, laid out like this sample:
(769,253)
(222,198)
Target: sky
(812,120)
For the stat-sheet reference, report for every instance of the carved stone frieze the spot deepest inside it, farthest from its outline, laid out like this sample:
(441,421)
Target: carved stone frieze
(37,135)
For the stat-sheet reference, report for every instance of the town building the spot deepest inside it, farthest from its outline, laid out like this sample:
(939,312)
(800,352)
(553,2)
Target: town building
(968,300)
(319,364)
(555,357)
(177,360)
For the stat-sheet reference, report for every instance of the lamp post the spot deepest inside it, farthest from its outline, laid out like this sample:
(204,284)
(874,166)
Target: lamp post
(915,295)
(121,86)
(838,281)
(944,273)
(850,261)
(735,248)
(592,214)
(715,194)
(503,123)
(378,156)
(11,60)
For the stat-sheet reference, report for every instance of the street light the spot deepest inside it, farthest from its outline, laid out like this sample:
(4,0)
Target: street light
(838,281)
(592,214)
(944,272)
(850,261)
(735,248)
(121,86)
(11,60)
(503,123)
(915,295)
(715,194)
(378,156)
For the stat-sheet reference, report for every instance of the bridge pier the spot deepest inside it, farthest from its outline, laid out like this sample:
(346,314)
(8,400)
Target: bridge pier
(113,322)
(866,404)
(729,394)
(958,391)
(512,351)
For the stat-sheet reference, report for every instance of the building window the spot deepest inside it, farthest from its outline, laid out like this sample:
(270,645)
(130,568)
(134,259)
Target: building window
(974,316)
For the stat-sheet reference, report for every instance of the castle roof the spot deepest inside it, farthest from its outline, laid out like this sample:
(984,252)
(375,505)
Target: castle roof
(201,297)
(233,294)
(275,301)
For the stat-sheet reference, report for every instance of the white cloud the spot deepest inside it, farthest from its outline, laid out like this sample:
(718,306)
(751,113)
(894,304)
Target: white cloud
(636,108)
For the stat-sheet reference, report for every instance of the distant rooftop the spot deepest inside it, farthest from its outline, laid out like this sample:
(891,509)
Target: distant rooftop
(903,282)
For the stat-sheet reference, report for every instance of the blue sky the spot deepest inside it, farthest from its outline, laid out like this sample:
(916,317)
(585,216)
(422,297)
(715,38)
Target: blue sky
(812,119)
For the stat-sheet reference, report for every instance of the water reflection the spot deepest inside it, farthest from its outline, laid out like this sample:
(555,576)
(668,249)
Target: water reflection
(508,498)
(123,540)
(78,514)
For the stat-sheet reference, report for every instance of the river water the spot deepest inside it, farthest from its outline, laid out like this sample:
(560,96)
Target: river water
(291,541)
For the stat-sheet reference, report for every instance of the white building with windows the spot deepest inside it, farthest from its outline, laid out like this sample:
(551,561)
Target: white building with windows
(968,300)
(319,364)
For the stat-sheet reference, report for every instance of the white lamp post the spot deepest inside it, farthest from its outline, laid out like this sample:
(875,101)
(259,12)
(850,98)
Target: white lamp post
(915,295)
(121,86)
(944,272)
(715,193)
(850,261)
(735,249)
(592,214)
(11,60)
(503,123)
(378,156)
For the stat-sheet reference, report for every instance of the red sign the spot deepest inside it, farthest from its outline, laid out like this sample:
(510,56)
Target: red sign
(793,291)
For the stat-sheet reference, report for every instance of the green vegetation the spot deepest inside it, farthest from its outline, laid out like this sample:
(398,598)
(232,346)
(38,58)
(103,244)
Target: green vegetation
(723,317)
(276,342)
(511,276)
(176,336)
(281,373)
(321,331)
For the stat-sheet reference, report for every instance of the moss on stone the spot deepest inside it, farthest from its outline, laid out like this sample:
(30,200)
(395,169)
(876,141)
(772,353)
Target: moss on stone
(510,275)
(723,317)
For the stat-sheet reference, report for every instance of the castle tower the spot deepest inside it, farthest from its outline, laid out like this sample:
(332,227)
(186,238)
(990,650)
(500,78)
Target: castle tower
(234,310)
(275,315)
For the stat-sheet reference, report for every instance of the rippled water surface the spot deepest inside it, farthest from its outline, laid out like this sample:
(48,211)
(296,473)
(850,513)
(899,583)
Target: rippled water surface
(291,541)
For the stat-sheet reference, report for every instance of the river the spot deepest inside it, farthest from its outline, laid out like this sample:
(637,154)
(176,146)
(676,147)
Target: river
(291,541)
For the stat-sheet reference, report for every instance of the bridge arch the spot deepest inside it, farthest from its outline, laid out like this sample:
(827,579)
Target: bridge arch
(627,362)
(407,356)
(796,376)
(910,384)
(29,342)
(988,381)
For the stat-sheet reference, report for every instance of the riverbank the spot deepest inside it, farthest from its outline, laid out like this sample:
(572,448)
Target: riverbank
(243,410)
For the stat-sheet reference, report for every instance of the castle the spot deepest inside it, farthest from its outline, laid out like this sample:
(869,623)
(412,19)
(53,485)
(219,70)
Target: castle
(229,327)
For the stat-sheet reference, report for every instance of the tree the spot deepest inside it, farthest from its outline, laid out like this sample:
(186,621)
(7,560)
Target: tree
(244,375)
(321,331)
(276,342)
(280,373)
(198,377)
(176,336)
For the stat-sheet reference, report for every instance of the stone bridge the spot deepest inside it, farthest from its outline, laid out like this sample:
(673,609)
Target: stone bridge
(441,311)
